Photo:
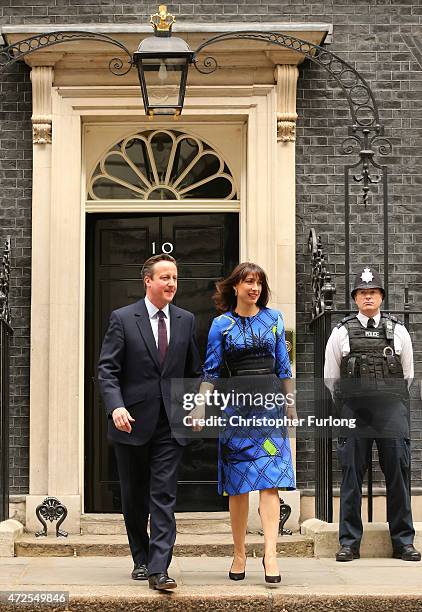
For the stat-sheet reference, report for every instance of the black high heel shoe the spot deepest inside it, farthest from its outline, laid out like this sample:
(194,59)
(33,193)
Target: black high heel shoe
(270,579)
(237,575)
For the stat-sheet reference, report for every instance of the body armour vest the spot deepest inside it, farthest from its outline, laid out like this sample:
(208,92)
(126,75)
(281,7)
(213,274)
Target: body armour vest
(372,367)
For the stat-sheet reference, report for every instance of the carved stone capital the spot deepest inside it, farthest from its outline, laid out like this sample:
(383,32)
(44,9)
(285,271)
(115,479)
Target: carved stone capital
(41,131)
(286,127)
(286,76)
(42,80)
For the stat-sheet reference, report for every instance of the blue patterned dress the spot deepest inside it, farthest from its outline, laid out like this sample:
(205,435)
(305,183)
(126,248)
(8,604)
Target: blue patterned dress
(251,457)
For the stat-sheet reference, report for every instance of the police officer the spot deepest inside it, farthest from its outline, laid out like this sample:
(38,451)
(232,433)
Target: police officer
(368,366)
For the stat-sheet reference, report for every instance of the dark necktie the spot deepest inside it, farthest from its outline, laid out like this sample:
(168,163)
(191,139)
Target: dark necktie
(162,336)
(371,322)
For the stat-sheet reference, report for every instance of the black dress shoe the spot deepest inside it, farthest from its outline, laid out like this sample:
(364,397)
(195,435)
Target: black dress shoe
(270,579)
(347,553)
(161,582)
(140,572)
(407,552)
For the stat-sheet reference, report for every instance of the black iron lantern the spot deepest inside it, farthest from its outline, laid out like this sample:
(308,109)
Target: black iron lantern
(162,61)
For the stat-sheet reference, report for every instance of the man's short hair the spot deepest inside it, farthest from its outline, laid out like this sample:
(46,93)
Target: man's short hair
(148,267)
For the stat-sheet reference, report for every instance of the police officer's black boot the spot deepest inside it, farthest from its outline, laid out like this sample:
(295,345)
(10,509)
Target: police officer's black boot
(407,552)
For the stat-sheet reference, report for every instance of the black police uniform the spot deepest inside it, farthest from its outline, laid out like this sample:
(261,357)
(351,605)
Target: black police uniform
(372,390)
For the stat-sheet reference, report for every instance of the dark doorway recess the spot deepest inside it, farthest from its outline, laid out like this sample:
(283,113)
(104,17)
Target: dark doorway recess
(206,246)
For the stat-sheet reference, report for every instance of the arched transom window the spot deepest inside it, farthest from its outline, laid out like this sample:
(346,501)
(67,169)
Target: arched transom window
(161,165)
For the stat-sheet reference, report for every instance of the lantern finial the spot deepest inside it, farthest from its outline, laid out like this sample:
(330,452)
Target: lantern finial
(162,21)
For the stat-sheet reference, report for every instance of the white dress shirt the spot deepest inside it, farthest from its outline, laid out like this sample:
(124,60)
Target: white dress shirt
(153,318)
(338,346)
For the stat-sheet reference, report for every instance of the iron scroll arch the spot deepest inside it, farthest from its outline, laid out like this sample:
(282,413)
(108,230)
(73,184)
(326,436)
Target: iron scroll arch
(17,51)
(357,91)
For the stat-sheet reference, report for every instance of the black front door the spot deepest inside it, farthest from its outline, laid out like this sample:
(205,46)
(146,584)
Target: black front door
(206,247)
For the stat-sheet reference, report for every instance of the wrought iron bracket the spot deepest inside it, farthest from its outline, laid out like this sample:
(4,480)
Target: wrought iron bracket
(323,288)
(366,127)
(17,51)
(285,512)
(367,142)
(363,107)
(51,510)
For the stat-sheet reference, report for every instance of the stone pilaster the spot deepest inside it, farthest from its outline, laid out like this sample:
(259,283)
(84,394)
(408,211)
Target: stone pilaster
(42,79)
(286,78)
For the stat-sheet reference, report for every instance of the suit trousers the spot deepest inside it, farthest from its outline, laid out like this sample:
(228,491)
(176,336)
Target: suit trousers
(148,484)
(394,457)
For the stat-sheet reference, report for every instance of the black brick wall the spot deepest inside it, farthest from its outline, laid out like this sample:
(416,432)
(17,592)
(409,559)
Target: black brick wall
(15,221)
(382,38)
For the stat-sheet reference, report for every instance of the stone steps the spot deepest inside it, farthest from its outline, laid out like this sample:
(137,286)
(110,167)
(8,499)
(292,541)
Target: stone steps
(188,544)
(104,584)
(187,522)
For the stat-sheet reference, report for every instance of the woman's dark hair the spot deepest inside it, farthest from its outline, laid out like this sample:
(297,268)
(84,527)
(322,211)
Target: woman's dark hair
(225,298)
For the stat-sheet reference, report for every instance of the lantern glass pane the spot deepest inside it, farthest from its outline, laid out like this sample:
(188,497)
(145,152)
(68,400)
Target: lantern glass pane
(163,79)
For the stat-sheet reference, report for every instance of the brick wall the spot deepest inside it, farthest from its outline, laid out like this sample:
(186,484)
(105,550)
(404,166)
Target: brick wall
(381,37)
(381,40)
(15,221)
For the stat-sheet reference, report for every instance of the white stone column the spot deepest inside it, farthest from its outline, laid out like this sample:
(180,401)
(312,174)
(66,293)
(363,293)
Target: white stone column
(55,367)
(278,212)
(286,76)
(42,79)
(66,344)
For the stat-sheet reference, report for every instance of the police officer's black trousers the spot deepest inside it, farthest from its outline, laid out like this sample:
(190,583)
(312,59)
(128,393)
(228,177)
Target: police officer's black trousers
(394,456)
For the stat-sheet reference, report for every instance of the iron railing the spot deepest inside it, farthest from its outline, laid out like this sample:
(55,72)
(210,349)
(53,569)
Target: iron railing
(5,334)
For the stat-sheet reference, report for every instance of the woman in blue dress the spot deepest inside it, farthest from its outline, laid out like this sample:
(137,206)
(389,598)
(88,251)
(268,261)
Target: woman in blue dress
(246,346)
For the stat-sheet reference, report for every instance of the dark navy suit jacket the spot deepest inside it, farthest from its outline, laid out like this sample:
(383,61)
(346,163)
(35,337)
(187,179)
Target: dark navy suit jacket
(130,375)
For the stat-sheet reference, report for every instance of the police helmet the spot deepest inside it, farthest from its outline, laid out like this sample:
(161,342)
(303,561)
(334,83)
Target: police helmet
(367,278)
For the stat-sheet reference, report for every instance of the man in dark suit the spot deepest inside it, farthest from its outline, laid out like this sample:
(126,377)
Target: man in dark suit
(146,345)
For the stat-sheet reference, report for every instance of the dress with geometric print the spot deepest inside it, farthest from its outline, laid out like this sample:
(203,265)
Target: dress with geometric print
(253,454)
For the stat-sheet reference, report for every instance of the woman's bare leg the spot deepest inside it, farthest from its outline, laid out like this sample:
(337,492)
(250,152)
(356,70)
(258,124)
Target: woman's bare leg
(269,511)
(239,508)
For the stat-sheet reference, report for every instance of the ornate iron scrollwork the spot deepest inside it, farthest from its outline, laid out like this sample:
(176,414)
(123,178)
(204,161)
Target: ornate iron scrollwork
(363,107)
(17,51)
(362,104)
(205,66)
(51,510)
(5,284)
(367,143)
(285,512)
(323,288)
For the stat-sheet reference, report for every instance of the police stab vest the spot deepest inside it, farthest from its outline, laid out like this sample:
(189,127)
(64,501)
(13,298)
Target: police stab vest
(372,368)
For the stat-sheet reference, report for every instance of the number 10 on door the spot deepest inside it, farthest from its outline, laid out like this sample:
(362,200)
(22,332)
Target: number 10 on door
(166,247)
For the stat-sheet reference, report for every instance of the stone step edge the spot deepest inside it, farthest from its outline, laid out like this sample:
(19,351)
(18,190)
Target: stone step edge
(113,524)
(181,517)
(299,548)
(273,601)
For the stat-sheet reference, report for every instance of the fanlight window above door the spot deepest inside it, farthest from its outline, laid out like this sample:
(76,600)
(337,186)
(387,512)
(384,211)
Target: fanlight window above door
(161,165)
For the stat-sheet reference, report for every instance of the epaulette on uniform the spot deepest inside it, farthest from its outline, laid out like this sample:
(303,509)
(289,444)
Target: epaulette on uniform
(387,315)
(343,321)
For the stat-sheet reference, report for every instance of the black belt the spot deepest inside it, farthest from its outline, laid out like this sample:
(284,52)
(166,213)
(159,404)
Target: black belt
(259,372)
